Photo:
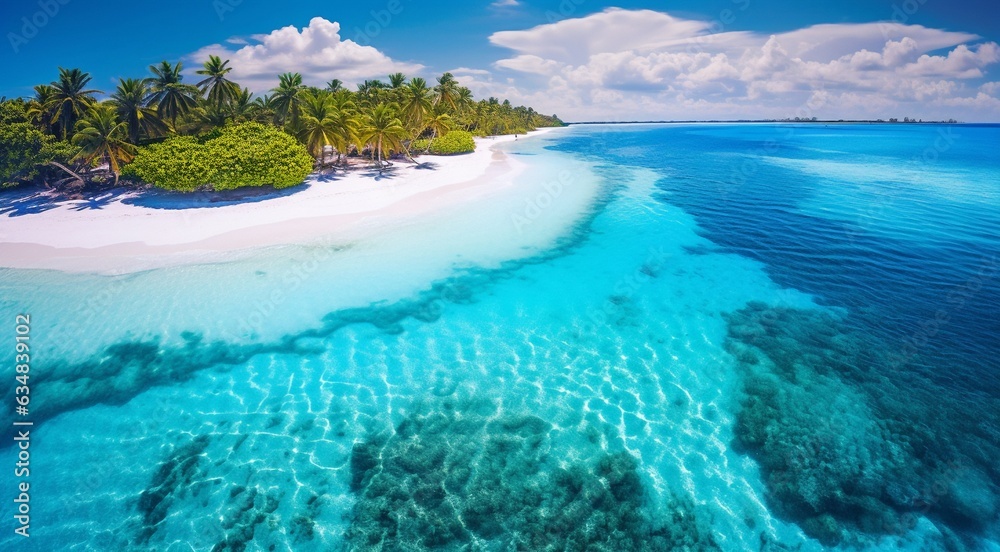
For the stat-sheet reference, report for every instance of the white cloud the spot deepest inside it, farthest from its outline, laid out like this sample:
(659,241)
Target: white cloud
(317,51)
(529,64)
(505,4)
(469,71)
(620,64)
(614,30)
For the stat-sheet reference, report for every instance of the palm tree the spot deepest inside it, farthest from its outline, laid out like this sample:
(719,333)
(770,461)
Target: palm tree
(172,97)
(347,123)
(383,132)
(447,91)
(130,100)
(70,99)
(242,106)
(320,123)
(286,98)
(207,117)
(440,124)
(100,135)
(262,110)
(216,87)
(397,80)
(417,104)
(40,108)
(335,85)
(465,99)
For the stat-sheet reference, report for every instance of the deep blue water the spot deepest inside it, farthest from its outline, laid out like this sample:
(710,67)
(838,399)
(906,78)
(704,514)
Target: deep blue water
(899,224)
(701,337)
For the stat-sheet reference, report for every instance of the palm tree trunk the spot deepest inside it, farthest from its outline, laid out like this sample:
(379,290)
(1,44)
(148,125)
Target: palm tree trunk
(111,167)
(63,167)
(431,142)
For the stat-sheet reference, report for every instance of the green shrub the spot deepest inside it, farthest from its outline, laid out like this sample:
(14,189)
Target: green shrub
(24,150)
(455,142)
(180,164)
(13,111)
(253,154)
(249,154)
(19,147)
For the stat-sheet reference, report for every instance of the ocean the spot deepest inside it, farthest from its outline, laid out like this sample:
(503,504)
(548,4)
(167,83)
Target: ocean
(699,336)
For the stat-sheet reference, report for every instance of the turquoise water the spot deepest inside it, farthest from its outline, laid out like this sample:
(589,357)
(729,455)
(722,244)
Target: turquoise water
(706,337)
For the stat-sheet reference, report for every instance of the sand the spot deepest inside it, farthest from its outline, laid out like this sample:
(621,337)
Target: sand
(130,231)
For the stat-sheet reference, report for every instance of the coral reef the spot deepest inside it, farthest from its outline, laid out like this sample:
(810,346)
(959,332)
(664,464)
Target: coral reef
(847,441)
(462,474)
(172,479)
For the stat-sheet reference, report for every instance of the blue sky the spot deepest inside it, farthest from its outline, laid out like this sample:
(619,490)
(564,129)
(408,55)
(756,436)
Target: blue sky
(649,60)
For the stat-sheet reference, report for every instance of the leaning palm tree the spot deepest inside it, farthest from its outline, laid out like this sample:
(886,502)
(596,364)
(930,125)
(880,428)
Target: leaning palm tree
(383,132)
(100,135)
(172,97)
(219,90)
(70,100)
(440,124)
(417,104)
(286,98)
(447,91)
(130,100)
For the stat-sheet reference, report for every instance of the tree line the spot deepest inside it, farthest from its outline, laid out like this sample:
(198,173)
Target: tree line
(65,129)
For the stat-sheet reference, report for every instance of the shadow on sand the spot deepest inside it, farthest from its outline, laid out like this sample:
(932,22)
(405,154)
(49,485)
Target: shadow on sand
(162,199)
(18,203)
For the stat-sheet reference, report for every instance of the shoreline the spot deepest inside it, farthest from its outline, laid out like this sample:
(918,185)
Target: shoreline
(137,231)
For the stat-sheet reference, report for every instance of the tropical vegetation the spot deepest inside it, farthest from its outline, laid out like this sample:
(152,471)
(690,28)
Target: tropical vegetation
(241,155)
(216,134)
(455,142)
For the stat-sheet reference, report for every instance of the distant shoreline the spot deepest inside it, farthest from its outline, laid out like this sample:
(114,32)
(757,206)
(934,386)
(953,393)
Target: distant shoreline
(782,121)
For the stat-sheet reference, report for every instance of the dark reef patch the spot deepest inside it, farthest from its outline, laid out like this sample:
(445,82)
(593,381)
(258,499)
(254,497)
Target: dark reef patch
(189,481)
(850,443)
(250,508)
(462,474)
(172,479)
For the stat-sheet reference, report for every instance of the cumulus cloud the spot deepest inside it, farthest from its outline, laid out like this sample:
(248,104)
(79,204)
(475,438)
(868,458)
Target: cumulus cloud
(317,51)
(529,64)
(614,30)
(627,64)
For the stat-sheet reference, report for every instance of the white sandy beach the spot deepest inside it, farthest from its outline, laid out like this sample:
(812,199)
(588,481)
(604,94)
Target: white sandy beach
(135,231)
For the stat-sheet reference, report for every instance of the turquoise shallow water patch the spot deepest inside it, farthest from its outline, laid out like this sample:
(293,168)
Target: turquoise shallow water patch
(655,370)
